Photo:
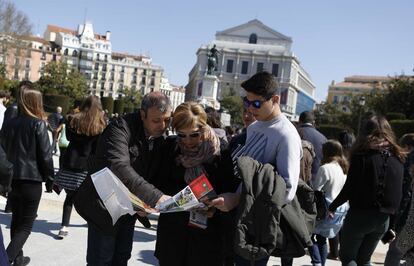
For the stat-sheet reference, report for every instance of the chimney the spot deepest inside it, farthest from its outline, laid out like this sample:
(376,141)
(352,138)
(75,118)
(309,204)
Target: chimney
(108,35)
(333,83)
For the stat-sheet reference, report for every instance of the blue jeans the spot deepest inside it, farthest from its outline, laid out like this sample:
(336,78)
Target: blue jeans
(319,250)
(107,250)
(243,262)
(361,232)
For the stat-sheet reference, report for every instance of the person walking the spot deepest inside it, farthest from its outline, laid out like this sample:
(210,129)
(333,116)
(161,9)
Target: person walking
(26,143)
(330,179)
(82,132)
(373,189)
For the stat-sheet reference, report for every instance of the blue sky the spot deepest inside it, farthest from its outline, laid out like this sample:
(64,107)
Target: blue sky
(332,39)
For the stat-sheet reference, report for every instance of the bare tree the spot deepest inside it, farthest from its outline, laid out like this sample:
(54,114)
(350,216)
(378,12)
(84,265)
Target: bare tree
(13,21)
(14,24)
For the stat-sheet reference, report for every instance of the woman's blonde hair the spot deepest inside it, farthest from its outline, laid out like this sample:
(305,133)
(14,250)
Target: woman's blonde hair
(189,115)
(30,101)
(90,120)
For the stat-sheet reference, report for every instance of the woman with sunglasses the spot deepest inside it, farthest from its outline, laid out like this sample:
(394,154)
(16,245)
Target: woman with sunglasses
(194,151)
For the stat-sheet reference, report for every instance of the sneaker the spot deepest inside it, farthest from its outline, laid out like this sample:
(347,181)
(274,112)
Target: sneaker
(21,261)
(62,234)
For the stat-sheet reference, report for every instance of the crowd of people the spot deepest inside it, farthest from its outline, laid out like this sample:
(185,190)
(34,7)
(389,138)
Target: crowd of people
(281,188)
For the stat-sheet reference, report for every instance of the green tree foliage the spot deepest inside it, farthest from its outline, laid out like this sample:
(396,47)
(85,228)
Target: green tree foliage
(59,79)
(234,104)
(131,97)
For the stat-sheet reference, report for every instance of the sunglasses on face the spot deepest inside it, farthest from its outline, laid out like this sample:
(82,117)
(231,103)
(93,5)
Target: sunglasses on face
(256,103)
(192,135)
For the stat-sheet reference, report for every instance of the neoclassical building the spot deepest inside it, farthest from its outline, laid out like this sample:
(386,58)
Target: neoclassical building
(247,49)
(107,72)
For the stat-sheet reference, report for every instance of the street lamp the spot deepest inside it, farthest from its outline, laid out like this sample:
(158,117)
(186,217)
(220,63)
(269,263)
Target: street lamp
(361,103)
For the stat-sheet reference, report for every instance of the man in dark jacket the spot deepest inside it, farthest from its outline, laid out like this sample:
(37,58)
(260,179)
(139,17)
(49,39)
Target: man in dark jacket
(129,146)
(311,134)
(6,174)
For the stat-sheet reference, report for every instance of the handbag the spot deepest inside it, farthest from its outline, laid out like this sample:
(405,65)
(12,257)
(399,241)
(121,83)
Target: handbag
(321,205)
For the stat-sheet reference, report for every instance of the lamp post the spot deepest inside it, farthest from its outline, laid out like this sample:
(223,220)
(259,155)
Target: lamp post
(361,103)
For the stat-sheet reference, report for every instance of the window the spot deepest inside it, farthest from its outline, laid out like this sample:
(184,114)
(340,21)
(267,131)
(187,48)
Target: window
(54,57)
(121,77)
(16,74)
(111,86)
(94,85)
(66,51)
(335,99)
(135,70)
(106,58)
(26,75)
(143,81)
(144,72)
(96,66)
(16,61)
(230,66)
(153,73)
(102,85)
(123,69)
(259,67)
(245,67)
(275,69)
(152,82)
(98,57)
(253,38)
(104,67)
(120,86)
(27,63)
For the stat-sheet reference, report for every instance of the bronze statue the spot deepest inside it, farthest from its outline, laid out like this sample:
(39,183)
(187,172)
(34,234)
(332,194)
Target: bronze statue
(212,60)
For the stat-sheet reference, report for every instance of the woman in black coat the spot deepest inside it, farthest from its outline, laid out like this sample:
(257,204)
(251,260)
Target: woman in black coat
(373,189)
(26,143)
(82,130)
(195,151)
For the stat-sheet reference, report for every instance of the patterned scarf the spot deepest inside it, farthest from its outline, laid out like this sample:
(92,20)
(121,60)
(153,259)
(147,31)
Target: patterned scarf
(192,160)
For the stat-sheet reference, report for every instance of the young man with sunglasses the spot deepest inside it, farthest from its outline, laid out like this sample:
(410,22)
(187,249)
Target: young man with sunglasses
(271,139)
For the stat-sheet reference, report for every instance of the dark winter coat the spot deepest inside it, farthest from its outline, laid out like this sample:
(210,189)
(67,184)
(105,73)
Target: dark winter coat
(266,225)
(26,142)
(317,139)
(80,147)
(6,172)
(179,244)
(362,184)
(130,155)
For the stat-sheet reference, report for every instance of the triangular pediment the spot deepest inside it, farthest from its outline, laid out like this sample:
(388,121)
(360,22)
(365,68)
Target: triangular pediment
(254,26)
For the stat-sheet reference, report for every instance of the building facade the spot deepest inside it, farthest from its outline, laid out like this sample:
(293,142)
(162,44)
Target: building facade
(175,93)
(250,48)
(341,93)
(25,57)
(107,72)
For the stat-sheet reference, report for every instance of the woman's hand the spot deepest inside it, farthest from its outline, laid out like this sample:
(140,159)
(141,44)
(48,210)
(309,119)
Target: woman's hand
(331,215)
(225,202)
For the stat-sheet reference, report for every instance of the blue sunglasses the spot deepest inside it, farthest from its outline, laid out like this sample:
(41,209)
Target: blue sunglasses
(256,103)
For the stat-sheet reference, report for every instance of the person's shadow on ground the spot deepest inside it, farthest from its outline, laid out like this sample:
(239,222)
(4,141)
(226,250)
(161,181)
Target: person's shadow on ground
(39,225)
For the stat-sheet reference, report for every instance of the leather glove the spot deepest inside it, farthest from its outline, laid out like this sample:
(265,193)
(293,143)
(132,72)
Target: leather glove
(49,185)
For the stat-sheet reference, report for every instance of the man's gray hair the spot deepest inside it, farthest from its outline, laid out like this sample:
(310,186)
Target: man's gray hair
(155,99)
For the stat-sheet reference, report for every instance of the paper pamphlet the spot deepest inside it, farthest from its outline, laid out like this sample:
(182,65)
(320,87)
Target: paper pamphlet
(114,194)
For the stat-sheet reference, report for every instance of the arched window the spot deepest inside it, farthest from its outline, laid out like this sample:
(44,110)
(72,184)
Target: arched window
(74,53)
(253,38)
(65,52)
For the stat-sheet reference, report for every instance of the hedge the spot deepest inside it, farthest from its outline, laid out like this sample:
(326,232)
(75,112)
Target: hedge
(108,104)
(50,103)
(402,127)
(330,131)
(129,108)
(395,116)
(119,107)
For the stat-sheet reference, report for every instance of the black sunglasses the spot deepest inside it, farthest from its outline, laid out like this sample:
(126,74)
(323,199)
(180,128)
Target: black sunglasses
(191,135)
(256,103)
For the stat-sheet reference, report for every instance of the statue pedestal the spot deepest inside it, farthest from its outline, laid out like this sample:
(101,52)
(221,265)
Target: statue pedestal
(209,91)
